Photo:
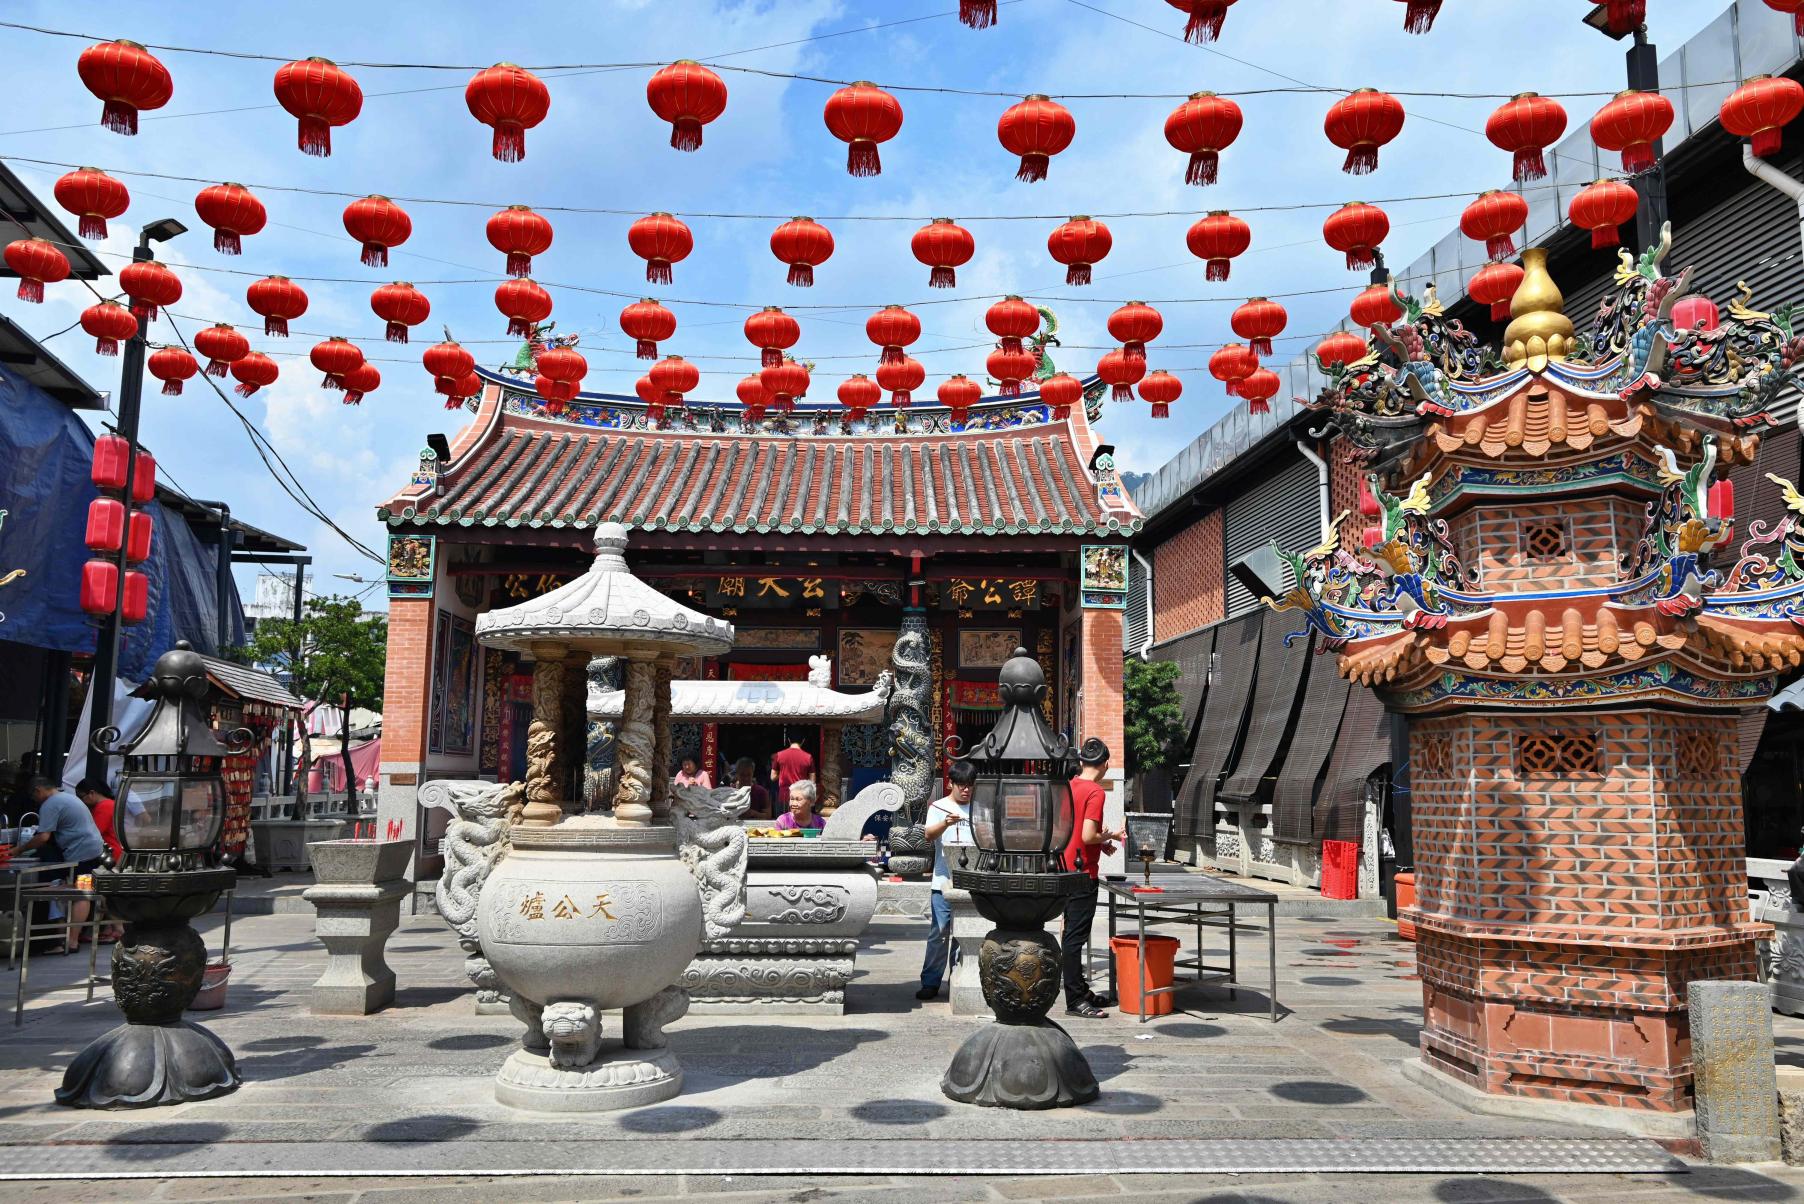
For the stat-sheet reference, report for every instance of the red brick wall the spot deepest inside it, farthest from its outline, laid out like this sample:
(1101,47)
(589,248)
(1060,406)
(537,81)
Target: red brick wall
(409,680)
(1189,576)
(1101,707)
(1597,532)
(1343,496)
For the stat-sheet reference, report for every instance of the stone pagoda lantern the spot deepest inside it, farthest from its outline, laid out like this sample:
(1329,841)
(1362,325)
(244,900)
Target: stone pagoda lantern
(577,915)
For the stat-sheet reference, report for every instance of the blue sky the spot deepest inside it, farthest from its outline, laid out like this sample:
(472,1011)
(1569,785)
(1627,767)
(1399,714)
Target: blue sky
(770,153)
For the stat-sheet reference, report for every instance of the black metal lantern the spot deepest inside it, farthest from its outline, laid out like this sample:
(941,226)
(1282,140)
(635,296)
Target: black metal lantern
(171,809)
(1021,801)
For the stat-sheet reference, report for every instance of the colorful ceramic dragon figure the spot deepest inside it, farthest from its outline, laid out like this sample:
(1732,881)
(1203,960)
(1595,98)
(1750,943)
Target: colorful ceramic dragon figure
(1405,558)
(1687,532)
(1311,573)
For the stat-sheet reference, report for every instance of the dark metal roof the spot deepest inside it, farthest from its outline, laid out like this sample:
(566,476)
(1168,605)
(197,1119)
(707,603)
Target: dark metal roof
(24,356)
(252,685)
(23,205)
(205,519)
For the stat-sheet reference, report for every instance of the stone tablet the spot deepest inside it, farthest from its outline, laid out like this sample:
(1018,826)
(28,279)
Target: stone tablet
(1732,1068)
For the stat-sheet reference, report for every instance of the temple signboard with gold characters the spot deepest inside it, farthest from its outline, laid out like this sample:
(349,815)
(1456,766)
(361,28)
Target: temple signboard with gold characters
(1573,610)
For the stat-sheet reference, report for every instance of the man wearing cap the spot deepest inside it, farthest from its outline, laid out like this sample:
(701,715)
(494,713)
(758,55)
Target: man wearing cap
(1089,841)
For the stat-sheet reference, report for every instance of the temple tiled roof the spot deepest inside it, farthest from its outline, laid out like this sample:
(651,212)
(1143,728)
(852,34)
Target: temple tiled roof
(522,470)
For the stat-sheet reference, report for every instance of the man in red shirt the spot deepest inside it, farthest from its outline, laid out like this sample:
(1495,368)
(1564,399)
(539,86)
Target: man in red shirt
(790,766)
(1089,841)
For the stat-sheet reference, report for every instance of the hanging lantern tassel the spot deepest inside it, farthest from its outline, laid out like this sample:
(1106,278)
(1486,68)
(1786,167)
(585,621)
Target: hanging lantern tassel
(977,14)
(1419,16)
(1206,19)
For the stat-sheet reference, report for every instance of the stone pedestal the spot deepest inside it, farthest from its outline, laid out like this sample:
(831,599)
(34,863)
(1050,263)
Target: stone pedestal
(357,904)
(282,844)
(968,932)
(1732,1057)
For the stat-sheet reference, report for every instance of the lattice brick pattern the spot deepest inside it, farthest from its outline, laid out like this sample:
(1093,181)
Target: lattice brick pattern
(1698,755)
(1557,754)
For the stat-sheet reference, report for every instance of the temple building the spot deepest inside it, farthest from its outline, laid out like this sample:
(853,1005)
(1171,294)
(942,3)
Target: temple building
(817,536)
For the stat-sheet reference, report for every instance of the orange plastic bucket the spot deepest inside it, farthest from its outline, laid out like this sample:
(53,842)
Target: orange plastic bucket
(1406,897)
(1161,953)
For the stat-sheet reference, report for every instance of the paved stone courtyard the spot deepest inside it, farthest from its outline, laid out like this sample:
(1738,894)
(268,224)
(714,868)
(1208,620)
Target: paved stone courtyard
(413,1085)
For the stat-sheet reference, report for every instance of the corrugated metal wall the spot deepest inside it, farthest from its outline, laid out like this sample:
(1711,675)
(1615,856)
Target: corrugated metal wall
(1285,508)
(1139,617)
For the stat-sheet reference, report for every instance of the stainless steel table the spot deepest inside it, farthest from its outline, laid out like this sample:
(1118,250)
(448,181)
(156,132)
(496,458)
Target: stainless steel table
(1200,901)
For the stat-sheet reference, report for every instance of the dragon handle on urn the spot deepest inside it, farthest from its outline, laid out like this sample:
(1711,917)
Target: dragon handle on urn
(715,849)
(475,839)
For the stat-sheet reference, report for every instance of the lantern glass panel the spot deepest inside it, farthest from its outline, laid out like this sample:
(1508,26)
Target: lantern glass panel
(1021,813)
(165,811)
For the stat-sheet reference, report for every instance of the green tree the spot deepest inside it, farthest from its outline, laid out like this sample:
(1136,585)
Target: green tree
(1152,715)
(336,655)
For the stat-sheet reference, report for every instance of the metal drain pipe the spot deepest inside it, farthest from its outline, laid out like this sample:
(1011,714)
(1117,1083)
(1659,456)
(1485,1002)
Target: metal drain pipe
(1766,173)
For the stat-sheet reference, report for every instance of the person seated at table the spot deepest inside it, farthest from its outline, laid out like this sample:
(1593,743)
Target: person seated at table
(745,774)
(691,774)
(801,814)
(66,832)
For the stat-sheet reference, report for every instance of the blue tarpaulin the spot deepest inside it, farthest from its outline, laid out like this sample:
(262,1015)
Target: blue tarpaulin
(45,457)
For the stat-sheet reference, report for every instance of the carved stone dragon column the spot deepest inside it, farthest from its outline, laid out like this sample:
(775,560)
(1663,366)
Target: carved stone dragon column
(635,746)
(911,744)
(660,728)
(544,785)
(830,768)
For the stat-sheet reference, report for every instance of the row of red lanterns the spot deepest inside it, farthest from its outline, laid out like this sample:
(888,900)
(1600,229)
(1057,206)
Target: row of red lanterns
(117,524)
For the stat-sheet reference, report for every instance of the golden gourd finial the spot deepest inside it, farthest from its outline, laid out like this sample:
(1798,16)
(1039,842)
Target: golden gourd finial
(1539,331)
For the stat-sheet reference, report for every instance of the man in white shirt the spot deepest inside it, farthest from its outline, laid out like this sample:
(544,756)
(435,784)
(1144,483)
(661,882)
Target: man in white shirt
(947,825)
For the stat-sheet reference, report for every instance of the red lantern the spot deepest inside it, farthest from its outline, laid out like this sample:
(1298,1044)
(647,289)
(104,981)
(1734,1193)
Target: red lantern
(137,539)
(523,303)
(674,374)
(136,603)
(1375,307)
(773,332)
(1795,8)
(277,300)
(752,394)
(858,394)
(647,323)
(1259,387)
(977,14)
(1231,364)
(892,328)
(1205,18)
(151,287)
(1080,244)
(1011,320)
(1494,285)
(108,468)
(959,394)
(519,233)
(37,263)
(336,359)
(127,78)
(1342,347)
(106,525)
(557,395)
(1010,368)
(565,365)
(1360,123)
(1135,325)
(1122,372)
(1632,123)
(1525,125)
(223,347)
(93,196)
(254,371)
(1601,208)
(1356,230)
(660,240)
(1419,16)
(144,476)
(360,381)
(803,244)
(512,100)
(1217,239)
(448,363)
(466,386)
(232,212)
(1036,129)
(901,378)
(688,96)
(943,246)
(1202,127)
(1622,16)
(784,382)
(400,305)
(1161,389)
(99,587)
(378,223)
(1758,110)
(862,115)
(1259,321)
(1061,391)
(109,322)
(1492,219)
(320,95)
(172,366)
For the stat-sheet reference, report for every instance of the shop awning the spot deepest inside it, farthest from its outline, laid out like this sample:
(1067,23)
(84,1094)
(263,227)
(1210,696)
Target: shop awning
(1311,741)
(1275,697)
(1362,746)
(1224,709)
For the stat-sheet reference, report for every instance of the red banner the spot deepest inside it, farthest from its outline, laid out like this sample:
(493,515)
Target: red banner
(976,695)
(739,672)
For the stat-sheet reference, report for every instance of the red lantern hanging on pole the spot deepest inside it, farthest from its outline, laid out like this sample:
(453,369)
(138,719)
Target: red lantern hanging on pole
(1760,109)
(519,233)
(647,323)
(944,246)
(1526,125)
(99,587)
(892,328)
(1419,16)
(858,394)
(141,526)
(448,363)
(1631,123)
(1135,325)
(378,223)
(1492,219)
(105,529)
(360,382)
(110,323)
(1795,8)
(688,96)
(1161,389)
(222,345)
(37,263)
(1080,244)
(512,100)
(128,79)
(1061,391)
(1231,364)
(1011,320)
(751,391)
(1344,347)
(1494,285)
(232,212)
(92,196)
(959,393)
(901,378)
(1356,230)
(1602,207)
(1036,129)
(319,94)
(278,301)
(254,371)
(1259,387)
(151,287)
(863,116)
(400,305)
(1361,122)
(1010,368)
(1217,239)
(1121,372)
(1259,321)
(172,366)
(660,240)
(1375,306)
(1203,18)
(336,358)
(773,332)
(804,244)
(523,303)
(1202,127)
